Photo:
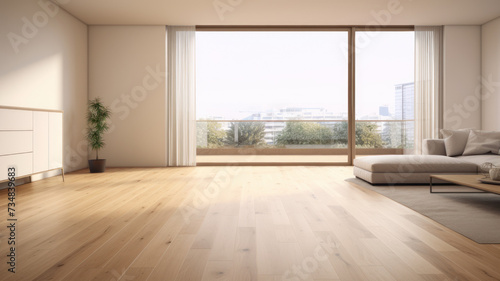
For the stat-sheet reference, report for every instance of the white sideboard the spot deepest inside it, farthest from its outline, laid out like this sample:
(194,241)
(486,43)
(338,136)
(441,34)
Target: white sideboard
(31,140)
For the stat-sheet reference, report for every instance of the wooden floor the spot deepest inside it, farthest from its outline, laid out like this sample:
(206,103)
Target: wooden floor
(230,223)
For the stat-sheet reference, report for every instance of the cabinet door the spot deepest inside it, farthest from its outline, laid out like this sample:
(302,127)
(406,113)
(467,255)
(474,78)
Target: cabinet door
(16,120)
(55,140)
(40,141)
(22,162)
(15,142)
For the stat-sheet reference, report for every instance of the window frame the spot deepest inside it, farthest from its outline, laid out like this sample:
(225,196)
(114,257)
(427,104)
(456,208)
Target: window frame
(351,91)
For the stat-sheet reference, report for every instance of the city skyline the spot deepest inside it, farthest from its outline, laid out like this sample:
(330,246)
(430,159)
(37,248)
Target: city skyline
(401,110)
(392,134)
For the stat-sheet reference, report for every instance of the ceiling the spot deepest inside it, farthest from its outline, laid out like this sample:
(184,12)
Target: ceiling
(283,12)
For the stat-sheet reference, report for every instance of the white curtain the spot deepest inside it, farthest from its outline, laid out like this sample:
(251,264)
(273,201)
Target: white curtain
(428,83)
(181,96)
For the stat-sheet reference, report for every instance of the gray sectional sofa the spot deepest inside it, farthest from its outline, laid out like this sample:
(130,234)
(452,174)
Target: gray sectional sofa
(451,155)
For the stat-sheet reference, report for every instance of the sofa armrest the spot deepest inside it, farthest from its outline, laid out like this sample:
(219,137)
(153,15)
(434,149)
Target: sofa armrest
(433,147)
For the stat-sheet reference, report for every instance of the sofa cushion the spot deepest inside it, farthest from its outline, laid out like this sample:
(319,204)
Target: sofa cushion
(480,159)
(455,141)
(433,147)
(414,164)
(481,142)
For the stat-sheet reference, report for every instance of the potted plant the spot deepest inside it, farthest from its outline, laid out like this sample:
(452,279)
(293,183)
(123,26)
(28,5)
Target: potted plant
(97,116)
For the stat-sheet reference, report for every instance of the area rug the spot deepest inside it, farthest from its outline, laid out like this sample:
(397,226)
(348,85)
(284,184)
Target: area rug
(474,215)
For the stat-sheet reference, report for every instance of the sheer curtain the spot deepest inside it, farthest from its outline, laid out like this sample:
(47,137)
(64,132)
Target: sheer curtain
(428,83)
(181,97)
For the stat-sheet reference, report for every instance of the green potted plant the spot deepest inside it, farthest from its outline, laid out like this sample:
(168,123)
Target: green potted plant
(97,116)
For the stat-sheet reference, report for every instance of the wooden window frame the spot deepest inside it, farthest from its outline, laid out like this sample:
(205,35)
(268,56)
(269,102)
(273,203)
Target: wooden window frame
(351,112)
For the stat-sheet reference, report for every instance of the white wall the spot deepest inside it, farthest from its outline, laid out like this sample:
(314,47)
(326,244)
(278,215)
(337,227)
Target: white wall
(491,74)
(127,70)
(43,55)
(461,77)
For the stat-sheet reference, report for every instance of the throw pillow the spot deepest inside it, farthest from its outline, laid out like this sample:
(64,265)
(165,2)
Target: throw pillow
(481,142)
(455,141)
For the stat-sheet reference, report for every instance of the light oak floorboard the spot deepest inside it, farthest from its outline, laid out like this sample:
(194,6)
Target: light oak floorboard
(230,223)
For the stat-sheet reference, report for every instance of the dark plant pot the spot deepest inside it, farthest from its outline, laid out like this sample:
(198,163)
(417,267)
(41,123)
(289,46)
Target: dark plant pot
(97,166)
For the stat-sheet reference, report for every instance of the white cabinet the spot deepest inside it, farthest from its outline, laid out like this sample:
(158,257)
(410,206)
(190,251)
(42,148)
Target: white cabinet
(30,140)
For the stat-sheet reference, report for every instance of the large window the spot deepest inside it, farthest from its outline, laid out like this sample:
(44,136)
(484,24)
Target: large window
(384,91)
(273,93)
(283,96)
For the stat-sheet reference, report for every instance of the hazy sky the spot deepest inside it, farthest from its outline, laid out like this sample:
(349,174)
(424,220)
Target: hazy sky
(239,73)
(383,60)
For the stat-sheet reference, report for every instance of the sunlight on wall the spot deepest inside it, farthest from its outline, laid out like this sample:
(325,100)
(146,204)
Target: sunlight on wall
(30,85)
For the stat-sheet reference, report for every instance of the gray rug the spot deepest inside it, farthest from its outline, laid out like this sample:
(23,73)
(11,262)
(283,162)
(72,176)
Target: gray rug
(474,215)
